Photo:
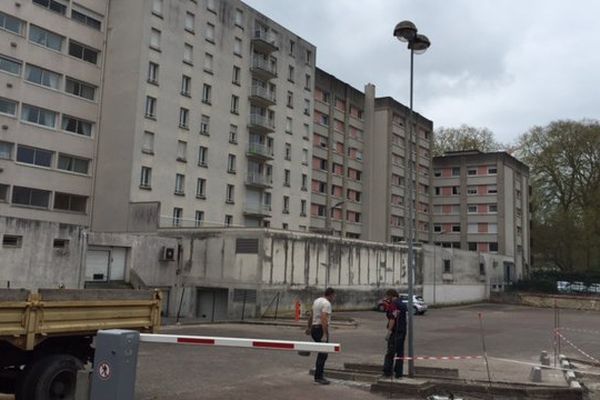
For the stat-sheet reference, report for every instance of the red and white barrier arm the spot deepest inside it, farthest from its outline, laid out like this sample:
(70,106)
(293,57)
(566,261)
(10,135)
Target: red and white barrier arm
(440,358)
(241,343)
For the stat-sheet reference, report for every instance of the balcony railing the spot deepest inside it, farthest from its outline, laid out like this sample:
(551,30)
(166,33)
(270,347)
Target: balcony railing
(257,209)
(259,179)
(264,40)
(262,121)
(263,93)
(265,66)
(261,150)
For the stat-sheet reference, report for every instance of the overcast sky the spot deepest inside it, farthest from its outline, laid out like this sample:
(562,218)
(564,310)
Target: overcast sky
(505,65)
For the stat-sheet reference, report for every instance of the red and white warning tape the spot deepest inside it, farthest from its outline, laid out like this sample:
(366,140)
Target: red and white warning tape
(575,346)
(241,342)
(443,358)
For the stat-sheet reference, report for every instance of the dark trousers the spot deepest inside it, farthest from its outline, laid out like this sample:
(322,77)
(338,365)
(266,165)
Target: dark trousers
(395,348)
(317,334)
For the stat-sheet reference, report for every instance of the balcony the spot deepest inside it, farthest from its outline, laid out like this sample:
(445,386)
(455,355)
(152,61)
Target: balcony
(264,41)
(259,180)
(262,96)
(263,69)
(259,150)
(261,124)
(257,210)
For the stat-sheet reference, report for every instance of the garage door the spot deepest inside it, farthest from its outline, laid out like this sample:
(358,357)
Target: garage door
(96,265)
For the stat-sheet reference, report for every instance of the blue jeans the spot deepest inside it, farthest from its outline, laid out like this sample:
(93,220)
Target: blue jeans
(395,348)
(317,334)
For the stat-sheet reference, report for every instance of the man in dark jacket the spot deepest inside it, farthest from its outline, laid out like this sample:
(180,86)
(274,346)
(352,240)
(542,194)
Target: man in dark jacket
(396,333)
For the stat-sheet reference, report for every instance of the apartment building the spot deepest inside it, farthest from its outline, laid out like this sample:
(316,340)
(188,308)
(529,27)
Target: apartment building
(207,115)
(359,155)
(51,62)
(481,203)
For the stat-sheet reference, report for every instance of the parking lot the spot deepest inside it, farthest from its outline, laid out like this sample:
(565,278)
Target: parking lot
(511,332)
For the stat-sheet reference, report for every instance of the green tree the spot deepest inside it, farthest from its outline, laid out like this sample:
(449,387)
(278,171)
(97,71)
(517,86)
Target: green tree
(564,158)
(464,137)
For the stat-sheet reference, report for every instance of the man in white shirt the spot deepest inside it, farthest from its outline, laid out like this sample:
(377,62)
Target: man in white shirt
(318,327)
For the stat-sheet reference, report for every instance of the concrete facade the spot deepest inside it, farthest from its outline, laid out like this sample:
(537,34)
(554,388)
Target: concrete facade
(252,127)
(481,204)
(51,80)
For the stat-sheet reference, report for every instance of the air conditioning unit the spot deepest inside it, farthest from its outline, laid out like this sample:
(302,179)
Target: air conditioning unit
(167,254)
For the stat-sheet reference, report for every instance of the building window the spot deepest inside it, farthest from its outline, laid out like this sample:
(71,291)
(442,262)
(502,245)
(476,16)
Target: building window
(292,48)
(493,228)
(73,164)
(228,220)
(230,194)
(286,204)
(45,38)
(471,190)
(83,52)
(206,93)
(472,209)
(30,197)
(455,228)
(4,193)
(148,143)
(10,65)
(304,186)
(85,19)
(6,150)
(184,117)
(492,189)
(42,77)
(303,208)
(208,63)
(157,7)
(286,177)
(306,107)
(188,54)
(305,156)
(472,246)
(493,247)
(155,39)
(146,178)
(492,170)
(235,79)
(290,99)
(12,241)
(237,47)
(291,72)
(456,171)
(86,90)
(306,132)
(204,125)
(455,190)
(76,125)
(52,5)
(8,107)
(38,116)
(202,156)
(189,22)
(447,267)
(493,208)
(199,218)
(471,171)
(34,156)
(201,188)
(239,18)
(288,125)
(177,216)
(308,58)
(473,228)
(233,134)
(210,33)
(307,82)
(181,151)
(288,152)
(211,6)
(186,85)
(231,163)
(150,108)
(235,104)
(179,184)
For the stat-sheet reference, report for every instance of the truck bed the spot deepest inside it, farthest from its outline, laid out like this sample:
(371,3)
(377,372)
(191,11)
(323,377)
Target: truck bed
(28,318)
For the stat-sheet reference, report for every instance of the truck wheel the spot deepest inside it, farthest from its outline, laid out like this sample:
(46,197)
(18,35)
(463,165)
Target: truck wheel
(51,378)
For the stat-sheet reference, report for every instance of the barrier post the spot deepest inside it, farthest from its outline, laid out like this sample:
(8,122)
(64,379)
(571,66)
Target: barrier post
(298,310)
(115,363)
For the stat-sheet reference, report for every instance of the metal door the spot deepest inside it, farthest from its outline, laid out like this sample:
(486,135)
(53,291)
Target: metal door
(96,265)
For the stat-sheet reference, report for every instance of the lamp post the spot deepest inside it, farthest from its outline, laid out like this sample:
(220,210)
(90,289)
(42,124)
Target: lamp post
(328,227)
(435,263)
(406,31)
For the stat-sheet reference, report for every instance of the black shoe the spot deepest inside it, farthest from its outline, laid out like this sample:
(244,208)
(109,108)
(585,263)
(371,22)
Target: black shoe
(322,381)
(398,377)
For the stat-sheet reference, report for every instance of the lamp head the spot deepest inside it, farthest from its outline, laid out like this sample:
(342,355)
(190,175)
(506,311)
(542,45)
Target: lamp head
(420,44)
(405,31)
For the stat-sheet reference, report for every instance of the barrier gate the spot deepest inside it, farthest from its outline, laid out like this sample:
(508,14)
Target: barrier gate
(115,360)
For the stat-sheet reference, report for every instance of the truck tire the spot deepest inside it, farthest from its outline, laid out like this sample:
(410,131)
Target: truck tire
(53,377)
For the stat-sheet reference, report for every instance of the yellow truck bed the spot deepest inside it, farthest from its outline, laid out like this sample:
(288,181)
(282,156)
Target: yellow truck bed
(28,318)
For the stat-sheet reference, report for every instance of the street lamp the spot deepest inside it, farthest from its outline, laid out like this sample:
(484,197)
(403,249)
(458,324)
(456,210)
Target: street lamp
(328,227)
(406,31)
